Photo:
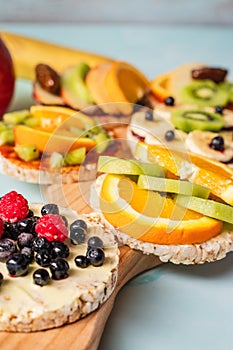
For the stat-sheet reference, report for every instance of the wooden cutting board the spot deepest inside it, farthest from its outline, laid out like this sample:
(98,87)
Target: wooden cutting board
(84,334)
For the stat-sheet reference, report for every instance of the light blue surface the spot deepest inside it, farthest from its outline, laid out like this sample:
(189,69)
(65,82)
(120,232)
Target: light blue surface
(171,307)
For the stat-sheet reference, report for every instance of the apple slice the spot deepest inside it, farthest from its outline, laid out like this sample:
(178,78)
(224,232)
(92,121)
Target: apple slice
(215,210)
(172,186)
(114,165)
(74,90)
(42,96)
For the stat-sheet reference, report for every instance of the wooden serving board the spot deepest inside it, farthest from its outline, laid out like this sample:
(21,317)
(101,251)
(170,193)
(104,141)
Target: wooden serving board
(84,334)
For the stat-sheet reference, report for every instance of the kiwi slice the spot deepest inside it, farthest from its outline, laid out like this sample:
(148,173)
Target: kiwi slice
(172,186)
(102,141)
(207,207)
(229,88)
(204,93)
(27,152)
(31,121)
(56,160)
(6,137)
(189,120)
(114,165)
(75,157)
(16,117)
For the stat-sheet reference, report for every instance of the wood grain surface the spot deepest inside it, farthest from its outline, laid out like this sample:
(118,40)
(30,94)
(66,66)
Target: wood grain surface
(86,333)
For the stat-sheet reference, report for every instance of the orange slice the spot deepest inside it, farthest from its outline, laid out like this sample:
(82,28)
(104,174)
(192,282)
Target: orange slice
(53,116)
(149,217)
(125,83)
(159,87)
(214,175)
(50,142)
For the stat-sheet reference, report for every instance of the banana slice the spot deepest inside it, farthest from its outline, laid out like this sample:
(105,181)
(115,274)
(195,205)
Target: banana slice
(199,142)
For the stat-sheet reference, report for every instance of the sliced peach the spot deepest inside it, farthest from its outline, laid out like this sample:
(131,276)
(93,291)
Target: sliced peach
(95,82)
(50,142)
(124,83)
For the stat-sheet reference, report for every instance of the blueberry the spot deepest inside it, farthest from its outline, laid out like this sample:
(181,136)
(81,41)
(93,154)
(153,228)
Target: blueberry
(7,248)
(169,101)
(17,265)
(96,256)
(149,115)
(95,242)
(1,278)
(217,143)
(41,277)
(49,209)
(219,109)
(77,224)
(59,269)
(65,220)
(40,243)
(30,213)
(81,261)
(78,235)
(60,250)
(43,257)
(169,135)
(28,253)
(25,240)
(26,225)
(11,230)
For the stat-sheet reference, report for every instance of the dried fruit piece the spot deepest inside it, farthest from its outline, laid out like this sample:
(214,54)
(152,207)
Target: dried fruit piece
(215,74)
(48,78)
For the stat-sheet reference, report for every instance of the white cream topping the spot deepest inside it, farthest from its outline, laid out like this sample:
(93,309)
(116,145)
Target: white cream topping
(20,298)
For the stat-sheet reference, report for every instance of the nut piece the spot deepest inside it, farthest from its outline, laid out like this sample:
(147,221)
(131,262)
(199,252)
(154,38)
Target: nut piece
(48,78)
(215,74)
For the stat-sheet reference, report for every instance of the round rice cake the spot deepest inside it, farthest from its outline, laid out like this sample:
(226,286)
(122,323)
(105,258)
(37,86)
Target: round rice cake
(26,307)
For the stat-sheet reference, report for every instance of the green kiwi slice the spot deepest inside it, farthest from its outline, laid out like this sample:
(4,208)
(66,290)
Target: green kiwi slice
(204,93)
(189,120)
(16,117)
(27,152)
(75,157)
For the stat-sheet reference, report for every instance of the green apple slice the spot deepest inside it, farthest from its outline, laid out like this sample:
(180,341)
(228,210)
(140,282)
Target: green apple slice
(74,90)
(207,207)
(172,186)
(114,165)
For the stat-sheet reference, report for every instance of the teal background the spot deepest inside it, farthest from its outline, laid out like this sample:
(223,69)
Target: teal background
(171,307)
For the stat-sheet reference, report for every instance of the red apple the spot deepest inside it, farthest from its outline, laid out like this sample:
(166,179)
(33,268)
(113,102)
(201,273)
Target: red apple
(7,78)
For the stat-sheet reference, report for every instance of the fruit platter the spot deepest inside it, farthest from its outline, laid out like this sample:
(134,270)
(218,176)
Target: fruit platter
(116,195)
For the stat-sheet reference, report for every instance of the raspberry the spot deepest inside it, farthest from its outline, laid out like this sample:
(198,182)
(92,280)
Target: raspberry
(13,207)
(52,227)
(1,227)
